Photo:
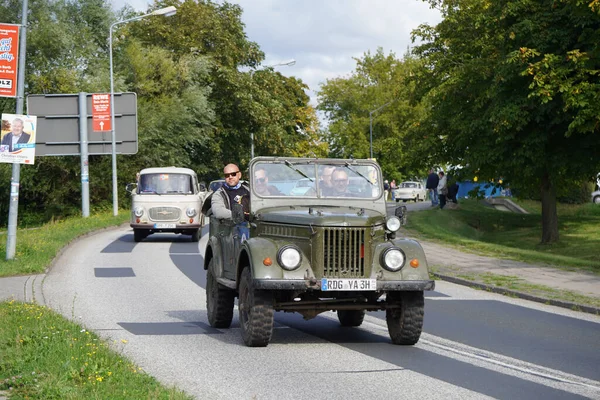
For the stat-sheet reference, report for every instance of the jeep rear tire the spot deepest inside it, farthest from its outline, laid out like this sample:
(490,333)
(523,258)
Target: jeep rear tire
(406,322)
(256,312)
(219,301)
(351,317)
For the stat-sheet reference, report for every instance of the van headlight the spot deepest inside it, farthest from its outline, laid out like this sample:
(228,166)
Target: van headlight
(393,224)
(393,259)
(138,211)
(191,212)
(289,257)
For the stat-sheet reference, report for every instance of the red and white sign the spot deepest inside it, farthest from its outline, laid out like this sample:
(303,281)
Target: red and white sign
(9,58)
(101,121)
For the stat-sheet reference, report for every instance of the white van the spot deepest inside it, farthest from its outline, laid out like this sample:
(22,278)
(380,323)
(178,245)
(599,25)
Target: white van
(167,199)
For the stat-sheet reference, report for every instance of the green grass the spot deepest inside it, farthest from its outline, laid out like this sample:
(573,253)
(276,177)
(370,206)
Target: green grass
(44,356)
(484,230)
(36,247)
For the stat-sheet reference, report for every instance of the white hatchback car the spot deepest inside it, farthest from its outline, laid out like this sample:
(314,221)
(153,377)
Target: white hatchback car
(167,199)
(410,191)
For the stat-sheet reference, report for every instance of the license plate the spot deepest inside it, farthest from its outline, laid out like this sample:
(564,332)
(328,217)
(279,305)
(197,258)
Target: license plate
(165,226)
(329,284)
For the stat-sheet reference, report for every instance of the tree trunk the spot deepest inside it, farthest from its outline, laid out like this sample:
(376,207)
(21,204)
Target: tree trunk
(549,216)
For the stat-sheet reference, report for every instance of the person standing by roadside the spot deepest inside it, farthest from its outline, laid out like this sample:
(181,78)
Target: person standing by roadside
(432,184)
(386,189)
(393,188)
(442,189)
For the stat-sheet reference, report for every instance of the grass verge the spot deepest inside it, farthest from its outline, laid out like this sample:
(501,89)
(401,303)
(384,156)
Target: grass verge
(481,229)
(37,247)
(44,356)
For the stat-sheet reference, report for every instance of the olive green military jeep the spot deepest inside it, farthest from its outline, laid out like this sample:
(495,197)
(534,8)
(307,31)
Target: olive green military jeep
(330,248)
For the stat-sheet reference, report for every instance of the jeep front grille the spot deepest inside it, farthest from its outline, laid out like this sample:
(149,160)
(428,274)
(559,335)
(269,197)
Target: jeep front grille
(164,213)
(344,252)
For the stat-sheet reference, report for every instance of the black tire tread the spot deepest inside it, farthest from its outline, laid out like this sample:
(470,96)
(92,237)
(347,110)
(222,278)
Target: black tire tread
(257,331)
(351,317)
(405,323)
(221,315)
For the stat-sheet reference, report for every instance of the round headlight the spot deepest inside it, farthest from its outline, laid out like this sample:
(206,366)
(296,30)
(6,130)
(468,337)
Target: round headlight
(289,257)
(393,224)
(190,212)
(138,211)
(393,259)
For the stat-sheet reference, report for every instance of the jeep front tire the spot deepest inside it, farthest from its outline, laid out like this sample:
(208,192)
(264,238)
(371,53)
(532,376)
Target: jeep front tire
(256,312)
(405,323)
(219,301)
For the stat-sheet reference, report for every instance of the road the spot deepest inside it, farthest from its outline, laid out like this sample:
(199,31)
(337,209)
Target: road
(148,299)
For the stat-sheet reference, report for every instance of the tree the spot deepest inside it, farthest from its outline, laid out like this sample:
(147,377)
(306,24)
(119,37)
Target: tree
(379,79)
(509,89)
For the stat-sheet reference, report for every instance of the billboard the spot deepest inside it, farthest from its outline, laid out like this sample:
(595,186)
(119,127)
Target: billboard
(9,58)
(17,145)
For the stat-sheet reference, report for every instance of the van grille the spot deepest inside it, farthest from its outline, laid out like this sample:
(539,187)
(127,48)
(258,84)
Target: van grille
(344,252)
(164,213)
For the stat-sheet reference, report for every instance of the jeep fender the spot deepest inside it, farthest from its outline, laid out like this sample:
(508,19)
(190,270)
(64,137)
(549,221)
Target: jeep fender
(256,249)
(412,250)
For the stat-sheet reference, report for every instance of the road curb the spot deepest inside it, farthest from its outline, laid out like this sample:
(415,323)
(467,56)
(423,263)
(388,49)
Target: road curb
(521,295)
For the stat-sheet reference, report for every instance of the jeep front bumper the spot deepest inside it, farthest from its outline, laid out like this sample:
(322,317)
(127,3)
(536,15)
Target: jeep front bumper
(301,284)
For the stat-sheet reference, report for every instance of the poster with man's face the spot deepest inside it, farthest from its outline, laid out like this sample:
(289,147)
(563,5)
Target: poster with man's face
(17,138)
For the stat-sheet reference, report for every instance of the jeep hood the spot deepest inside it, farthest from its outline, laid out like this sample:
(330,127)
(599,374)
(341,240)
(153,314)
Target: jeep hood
(322,216)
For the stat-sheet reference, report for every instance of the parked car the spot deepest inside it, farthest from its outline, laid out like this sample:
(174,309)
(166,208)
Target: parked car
(214,185)
(166,199)
(313,253)
(302,187)
(596,197)
(410,191)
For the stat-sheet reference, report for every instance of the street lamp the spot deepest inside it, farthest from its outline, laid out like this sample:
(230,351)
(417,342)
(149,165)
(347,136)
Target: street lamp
(282,64)
(167,12)
(371,123)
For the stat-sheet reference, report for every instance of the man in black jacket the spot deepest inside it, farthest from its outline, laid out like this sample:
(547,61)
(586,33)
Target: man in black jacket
(432,183)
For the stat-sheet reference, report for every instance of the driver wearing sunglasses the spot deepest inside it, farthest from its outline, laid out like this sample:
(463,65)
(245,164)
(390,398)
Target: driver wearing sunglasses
(339,181)
(261,184)
(233,190)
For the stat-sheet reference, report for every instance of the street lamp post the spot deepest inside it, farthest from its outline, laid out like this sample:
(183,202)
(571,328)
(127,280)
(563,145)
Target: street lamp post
(167,11)
(371,123)
(283,64)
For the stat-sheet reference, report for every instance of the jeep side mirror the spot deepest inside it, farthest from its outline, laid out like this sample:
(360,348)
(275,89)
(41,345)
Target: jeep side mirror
(402,213)
(237,213)
(130,186)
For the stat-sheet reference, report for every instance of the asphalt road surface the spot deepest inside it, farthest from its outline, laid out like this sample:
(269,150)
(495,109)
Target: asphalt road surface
(475,344)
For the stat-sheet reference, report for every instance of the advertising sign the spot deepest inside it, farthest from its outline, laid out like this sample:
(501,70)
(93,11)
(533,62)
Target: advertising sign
(17,145)
(101,113)
(9,57)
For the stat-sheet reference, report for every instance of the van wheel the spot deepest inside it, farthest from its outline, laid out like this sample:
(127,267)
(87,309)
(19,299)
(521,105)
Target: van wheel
(219,301)
(256,312)
(139,235)
(196,235)
(351,317)
(406,322)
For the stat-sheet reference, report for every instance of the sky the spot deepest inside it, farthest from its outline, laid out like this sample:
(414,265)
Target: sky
(324,36)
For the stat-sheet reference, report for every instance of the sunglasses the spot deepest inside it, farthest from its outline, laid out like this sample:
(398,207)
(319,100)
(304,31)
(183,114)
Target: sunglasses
(340,181)
(261,180)
(231,174)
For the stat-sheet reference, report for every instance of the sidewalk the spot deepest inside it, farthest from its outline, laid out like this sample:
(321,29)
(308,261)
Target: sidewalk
(26,288)
(573,290)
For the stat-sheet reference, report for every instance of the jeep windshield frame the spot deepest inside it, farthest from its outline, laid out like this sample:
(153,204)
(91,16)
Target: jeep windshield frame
(279,181)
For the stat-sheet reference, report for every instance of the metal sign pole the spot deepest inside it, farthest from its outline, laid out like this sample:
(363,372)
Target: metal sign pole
(13,210)
(83,139)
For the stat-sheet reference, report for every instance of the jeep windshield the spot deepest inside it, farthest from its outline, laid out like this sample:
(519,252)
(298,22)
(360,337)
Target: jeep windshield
(167,183)
(315,179)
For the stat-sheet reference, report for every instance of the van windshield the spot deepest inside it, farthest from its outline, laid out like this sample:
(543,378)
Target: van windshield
(165,184)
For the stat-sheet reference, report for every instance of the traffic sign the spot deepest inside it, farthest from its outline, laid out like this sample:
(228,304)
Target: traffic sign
(101,112)
(58,125)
